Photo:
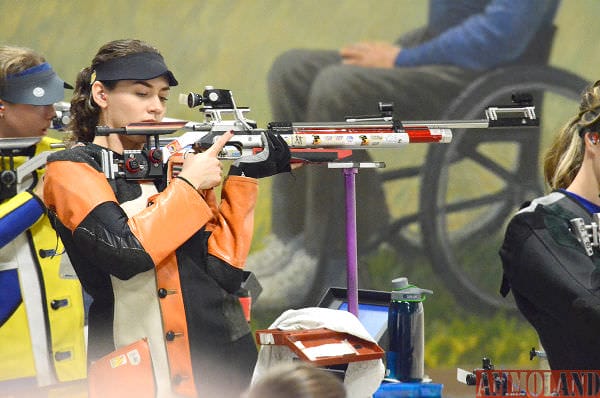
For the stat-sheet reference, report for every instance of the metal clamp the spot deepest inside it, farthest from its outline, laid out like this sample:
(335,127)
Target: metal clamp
(587,234)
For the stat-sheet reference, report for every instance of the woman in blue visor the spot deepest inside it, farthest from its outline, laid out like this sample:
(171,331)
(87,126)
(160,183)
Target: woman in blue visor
(41,307)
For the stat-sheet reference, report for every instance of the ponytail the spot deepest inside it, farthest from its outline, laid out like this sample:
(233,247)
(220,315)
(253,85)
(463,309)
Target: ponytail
(564,157)
(84,112)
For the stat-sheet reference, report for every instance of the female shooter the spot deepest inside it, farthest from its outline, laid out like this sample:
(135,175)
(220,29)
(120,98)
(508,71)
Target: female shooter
(41,306)
(555,280)
(162,261)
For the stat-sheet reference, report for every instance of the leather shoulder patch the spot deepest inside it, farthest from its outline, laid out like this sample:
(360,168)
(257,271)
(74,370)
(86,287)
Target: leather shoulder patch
(89,153)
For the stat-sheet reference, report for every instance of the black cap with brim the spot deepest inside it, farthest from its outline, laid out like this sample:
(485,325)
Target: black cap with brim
(39,85)
(138,66)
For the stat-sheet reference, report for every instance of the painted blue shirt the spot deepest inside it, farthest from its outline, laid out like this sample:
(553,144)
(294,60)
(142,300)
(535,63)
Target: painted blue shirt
(479,34)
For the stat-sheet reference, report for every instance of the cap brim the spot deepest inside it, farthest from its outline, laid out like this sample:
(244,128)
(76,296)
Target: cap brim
(138,66)
(43,88)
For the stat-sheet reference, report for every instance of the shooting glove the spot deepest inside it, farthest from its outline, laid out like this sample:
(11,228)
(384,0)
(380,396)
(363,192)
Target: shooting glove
(273,159)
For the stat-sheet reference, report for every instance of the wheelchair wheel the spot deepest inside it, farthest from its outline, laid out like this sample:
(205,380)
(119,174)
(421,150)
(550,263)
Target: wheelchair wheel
(472,186)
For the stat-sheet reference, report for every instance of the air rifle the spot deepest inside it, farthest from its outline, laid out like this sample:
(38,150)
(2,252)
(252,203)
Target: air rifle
(312,141)
(309,142)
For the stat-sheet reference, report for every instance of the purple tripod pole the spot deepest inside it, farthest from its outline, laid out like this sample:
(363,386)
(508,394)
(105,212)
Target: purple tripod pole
(351,240)
(350,170)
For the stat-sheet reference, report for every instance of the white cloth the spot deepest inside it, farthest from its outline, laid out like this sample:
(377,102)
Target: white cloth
(362,378)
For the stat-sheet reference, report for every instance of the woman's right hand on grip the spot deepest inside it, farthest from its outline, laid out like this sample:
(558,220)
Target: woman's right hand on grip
(204,170)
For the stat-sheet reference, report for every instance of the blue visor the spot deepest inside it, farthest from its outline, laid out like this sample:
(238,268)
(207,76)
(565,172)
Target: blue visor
(38,85)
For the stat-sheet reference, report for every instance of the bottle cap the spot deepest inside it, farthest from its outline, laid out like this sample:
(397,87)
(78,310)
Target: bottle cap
(403,291)
(399,283)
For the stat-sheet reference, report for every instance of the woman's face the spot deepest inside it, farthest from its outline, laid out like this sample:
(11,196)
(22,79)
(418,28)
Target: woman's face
(134,101)
(24,120)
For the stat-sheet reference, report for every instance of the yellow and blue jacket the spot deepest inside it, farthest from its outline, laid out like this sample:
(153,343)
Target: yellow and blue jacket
(41,303)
